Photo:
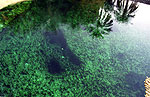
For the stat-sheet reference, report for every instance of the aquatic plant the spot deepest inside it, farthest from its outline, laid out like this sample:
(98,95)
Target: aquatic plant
(102,25)
(125,10)
(81,14)
(23,60)
(11,12)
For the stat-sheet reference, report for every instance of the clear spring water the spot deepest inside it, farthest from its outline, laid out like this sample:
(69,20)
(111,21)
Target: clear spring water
(37,60)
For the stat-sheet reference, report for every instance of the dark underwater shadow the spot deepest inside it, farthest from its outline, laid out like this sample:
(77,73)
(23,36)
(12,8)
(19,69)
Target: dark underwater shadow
(135,83)
(54,67)
(57,38)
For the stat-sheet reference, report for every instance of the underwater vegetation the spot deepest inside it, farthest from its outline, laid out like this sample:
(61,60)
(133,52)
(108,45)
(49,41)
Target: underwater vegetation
(57,38)
(95,20)
(102,25)
(13,11)
(98,54)
(81,14)
(29,65)
(41,56)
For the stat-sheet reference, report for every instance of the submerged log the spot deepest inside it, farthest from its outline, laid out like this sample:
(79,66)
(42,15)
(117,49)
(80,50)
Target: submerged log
(5,3)
(147,87)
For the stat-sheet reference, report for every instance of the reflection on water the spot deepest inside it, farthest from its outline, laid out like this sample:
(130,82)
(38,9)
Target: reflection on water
(51,52)
(102,25)
(143,14)
(123,9)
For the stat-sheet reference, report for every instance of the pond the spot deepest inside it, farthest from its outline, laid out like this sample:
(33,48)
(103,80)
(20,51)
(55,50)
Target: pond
(76,49)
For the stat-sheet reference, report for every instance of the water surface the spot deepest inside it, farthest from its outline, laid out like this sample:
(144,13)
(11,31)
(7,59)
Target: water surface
(48,54)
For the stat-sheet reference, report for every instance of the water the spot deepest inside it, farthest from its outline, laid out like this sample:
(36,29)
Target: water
(54,54)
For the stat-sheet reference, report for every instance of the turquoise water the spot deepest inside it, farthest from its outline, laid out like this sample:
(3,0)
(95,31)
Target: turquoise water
(43,55)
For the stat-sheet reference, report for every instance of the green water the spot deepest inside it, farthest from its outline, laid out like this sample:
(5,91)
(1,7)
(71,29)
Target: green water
(52,53)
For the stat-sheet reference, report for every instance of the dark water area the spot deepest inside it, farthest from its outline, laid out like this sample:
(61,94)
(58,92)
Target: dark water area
(54,67)
(68,48)
(57,38)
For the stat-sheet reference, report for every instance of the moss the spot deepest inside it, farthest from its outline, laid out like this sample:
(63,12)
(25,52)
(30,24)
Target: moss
(12,11)
(105,70)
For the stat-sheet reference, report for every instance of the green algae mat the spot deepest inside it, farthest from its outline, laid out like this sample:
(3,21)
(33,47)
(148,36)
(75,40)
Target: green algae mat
(73,49)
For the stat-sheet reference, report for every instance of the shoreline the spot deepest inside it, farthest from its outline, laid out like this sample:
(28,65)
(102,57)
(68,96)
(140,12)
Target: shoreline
(5,3)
